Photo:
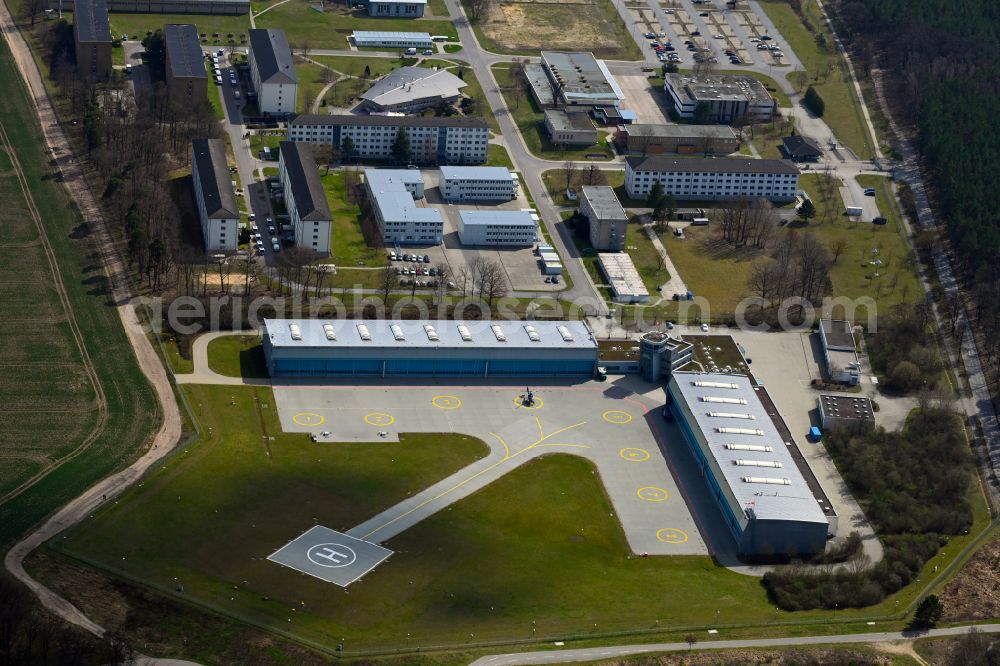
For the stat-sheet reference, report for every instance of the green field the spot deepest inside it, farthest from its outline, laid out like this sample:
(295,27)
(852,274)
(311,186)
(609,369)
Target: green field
(530,122)
(215,94)
(330,29)
(825,70)
(51,408)
(348,247)
(237,356)
(137,25)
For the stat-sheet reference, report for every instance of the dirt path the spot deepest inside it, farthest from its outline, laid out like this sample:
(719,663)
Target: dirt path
(149,363)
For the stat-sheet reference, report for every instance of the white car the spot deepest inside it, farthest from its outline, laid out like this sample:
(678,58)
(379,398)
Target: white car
(704,328)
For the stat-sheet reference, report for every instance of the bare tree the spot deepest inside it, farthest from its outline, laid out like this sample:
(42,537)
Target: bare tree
(387,281)
(569,171)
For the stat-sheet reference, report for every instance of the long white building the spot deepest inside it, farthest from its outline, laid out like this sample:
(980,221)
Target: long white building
(456,140)
(214,195)
(497,227)
(273,71)
(712,178)
(392,193)
(396,40)
(463,183)
(305,198)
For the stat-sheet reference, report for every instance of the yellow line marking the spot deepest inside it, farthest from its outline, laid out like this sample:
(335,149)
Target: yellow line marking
(617,417)
(379,419)
(507,456)
(446,402)
(538,404)
(310,419)
(634,455)
(572,446)
(672,535)
(652,494)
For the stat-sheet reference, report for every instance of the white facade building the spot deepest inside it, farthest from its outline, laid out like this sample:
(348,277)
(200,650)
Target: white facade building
(726,98)
(392,193)
(497,227)
(456,140)
(396,8)
(459,183)
(305,198)
(272,71)
(412,89)
(712,178)
(214,195)
(396,40)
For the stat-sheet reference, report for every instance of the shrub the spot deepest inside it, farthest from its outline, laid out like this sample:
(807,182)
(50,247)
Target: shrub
(814,102)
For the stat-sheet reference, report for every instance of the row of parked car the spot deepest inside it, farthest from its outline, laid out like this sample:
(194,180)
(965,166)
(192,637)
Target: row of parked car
(416,270)
(409,257)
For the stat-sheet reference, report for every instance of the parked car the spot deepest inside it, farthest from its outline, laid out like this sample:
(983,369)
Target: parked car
(704,328)
(428,51)
(427,258)
(880,220)
(869,191)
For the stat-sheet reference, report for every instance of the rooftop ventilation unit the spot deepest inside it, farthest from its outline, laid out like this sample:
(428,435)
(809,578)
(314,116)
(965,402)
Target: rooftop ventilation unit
(750,447)
(564,332)
(497,331)
(727,401)
(364,333)
(740,431)
(757,463)
(732,415)
(725,385)
(431,332)
(331,334)
(397,332)
(295,331)
(770,480)
(532,333)
(463,330)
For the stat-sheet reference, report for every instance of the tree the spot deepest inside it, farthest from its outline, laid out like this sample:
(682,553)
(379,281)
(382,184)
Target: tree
(929,611)
(348,148)
(702,112)
(906,377)
(569,173)
(837,248)
(155,55)
(814,102)
(806,211)
(387,281)
(655,194)
(401,152)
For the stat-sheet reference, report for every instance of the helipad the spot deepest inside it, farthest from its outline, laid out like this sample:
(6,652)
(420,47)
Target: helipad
(331,556)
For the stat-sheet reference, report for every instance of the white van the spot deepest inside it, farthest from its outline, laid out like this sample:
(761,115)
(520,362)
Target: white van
(411,52)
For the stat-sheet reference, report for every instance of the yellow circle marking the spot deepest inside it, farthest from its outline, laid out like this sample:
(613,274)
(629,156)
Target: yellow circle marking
(446,402)
(379,419)
(537,404)
(652,494)
(308,419)
(672,535)
(634,455)
(617,417)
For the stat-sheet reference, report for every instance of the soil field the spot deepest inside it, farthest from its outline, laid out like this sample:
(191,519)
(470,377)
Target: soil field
(532,25)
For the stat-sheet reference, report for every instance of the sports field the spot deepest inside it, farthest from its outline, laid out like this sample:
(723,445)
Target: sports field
(72,410)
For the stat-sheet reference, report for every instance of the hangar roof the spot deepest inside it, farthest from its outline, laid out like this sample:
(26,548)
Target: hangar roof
(748,447)
(348,333)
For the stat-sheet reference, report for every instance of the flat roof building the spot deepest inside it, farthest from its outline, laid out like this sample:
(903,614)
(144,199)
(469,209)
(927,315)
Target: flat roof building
(623,277)
(845,412)
(475,183)
(497,227)
(580,79)
(651,139)
(215,7)
(765,500)
(396,8)
(272,71)
(412,89)
(453,140)
(398,40)
(570,128)
(839,351)
(392,193)
(606,216)
(187,80)
(724,98)
(305,198)
(719,178)
(435,348)
(214,196)
(92,39)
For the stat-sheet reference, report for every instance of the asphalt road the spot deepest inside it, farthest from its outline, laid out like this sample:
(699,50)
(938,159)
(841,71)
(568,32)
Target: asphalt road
(613,652)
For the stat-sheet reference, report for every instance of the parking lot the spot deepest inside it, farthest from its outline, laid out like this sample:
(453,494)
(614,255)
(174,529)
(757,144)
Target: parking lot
(648,102)
(520,264)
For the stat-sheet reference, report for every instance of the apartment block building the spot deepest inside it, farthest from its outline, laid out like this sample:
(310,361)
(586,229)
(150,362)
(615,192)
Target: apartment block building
(272,71)
(305,198)
(214,195)
(455,140)
(712,178)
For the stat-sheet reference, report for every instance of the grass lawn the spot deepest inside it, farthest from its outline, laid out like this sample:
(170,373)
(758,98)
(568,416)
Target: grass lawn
(348,247)
(49,401)
(646,259)
(330,29)
(237,356)
(215,94)
(767,138)
(555,181)
(853,276)
(497,156)
(312,79)
(137,25)
(452,48)
(710,268)
(265,139)
(525,28)
(530,122)
(825,70)
(355,65)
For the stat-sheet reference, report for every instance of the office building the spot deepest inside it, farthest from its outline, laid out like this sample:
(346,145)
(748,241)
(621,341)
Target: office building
(712,178)
(607,218)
